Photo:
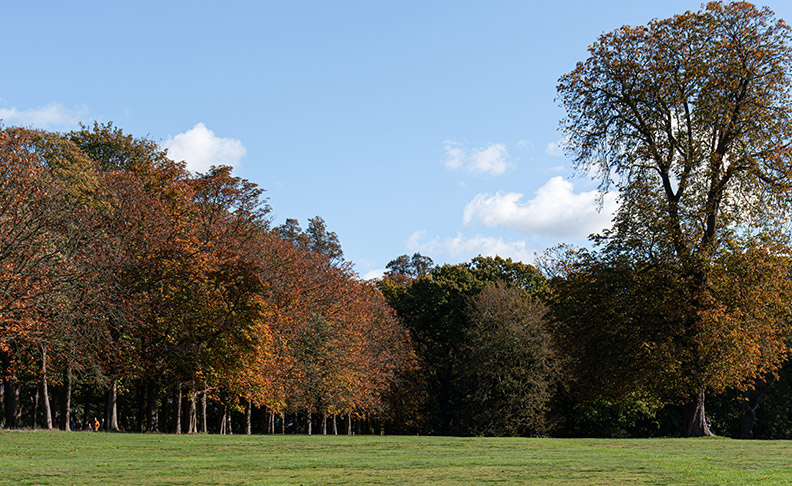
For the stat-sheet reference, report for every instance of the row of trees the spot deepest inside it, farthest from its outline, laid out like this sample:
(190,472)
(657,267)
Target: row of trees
(123,273)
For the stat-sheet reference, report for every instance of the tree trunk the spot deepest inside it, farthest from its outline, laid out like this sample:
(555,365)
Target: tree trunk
(179,409)
(221,429)
(152,411)
(45,390)
(66,403)
(35,408)
(748,418)
(324,423)
(229,425)
(696,418)
(335,425)
(192,426)
(111,407)
(310,423)
(11,403)
(13,407)
(204,426)
(283,422)
(249,418)
(349,423)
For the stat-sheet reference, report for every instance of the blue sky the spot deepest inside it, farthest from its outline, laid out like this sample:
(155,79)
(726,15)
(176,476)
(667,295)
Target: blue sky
(408,126)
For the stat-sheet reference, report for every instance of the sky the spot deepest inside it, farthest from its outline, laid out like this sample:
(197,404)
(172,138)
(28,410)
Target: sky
(409,126)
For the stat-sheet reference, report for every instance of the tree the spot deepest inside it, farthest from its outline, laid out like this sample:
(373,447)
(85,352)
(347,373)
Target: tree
(511,367)
(434,308)
(409,267)
(316,238)
(689,118)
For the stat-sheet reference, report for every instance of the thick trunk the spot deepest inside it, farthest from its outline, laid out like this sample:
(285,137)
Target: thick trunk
(283,422)
(152,410)
(178,409)
(229,428)
(66,403)
(192,426)
(310,423)
(696,418)
(45,403)
(111,407)
(349,423)
(335,425)
(248,418)
(324,423)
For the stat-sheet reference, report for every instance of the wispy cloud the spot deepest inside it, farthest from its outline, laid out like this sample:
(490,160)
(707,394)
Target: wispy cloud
(555,210)
(557,148)
(54,116)
(372,274)
(201,149)
(461,247)
(491,160)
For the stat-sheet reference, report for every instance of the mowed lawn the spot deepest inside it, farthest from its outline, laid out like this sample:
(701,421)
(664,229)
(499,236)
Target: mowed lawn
(84,458)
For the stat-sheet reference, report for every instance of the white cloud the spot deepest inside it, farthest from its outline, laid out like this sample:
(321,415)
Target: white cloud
(556,149)
(455,155)
(461,248)
(492,160)
(372,274)
(554,211)
(201,149)
(52,116)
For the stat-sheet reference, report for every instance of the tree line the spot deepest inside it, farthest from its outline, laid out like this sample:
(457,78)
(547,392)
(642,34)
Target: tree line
(122,274)
(163,300)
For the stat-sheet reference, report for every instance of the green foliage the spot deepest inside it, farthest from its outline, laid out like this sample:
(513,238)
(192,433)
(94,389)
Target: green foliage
(509,369)
(436,310)
(316,238)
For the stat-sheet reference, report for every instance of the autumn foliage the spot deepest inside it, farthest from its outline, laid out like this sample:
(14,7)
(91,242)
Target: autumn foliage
(122,272)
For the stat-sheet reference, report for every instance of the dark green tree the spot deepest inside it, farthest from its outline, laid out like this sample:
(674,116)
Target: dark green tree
(510,368)
(435,310)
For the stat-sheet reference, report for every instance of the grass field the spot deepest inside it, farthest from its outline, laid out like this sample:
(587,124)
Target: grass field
(84,458)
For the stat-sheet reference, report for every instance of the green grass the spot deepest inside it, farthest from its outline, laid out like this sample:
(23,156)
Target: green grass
(84,458)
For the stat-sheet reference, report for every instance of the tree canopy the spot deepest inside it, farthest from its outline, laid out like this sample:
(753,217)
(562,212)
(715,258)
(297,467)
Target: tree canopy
(689,119)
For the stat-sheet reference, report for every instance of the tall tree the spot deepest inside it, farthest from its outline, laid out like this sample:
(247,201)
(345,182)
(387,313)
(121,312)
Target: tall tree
(689,118)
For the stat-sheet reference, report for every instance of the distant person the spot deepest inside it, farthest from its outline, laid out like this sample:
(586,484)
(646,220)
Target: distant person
(96,425)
